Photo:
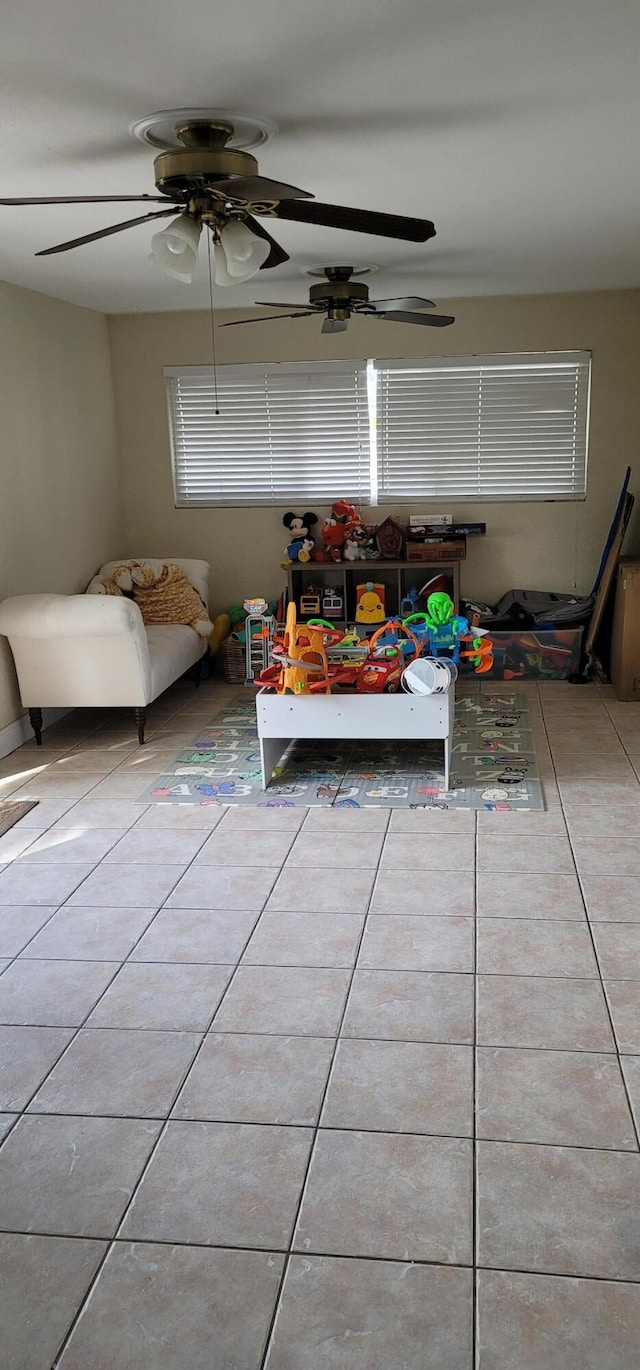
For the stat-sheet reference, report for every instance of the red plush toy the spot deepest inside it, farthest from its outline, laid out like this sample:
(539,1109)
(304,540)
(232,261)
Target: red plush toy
(333,537)
(343,512)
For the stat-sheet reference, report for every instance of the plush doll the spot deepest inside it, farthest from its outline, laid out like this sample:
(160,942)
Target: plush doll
(118,583)
(343,512)
(122,576)
(103,587)
(352,550)
(164,594)
(333,537)
(301,545)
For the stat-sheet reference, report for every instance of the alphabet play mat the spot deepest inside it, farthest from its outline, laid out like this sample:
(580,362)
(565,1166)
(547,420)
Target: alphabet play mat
(494,765)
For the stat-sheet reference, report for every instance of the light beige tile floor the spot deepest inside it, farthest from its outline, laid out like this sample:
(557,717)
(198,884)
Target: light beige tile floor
(277,1086)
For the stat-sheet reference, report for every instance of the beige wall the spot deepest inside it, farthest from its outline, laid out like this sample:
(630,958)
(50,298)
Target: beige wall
(60,494)
(541,545)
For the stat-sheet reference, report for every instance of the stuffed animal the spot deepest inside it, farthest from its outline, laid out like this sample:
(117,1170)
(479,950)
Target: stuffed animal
(343,512)
(300,550)
(118,583)
(122,576)
(352,549)
(333,537)
(301,545)
(103,587)
(164,594)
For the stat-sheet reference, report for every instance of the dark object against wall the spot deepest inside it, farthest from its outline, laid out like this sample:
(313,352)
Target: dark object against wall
(625,637)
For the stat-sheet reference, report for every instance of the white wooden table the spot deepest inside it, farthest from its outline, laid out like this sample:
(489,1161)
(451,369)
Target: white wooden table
(281,718)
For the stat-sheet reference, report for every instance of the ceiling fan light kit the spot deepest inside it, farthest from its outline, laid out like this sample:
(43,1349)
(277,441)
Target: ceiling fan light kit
(175,248)
(239,253)
(205,174)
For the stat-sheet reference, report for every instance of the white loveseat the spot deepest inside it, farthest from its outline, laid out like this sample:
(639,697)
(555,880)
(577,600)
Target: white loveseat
(93,651)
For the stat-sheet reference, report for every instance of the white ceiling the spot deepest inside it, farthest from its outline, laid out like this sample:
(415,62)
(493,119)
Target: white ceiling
(513,124)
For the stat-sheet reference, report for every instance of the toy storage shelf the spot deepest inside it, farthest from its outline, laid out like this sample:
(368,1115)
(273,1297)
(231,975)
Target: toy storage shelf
(397,576)
(282,718)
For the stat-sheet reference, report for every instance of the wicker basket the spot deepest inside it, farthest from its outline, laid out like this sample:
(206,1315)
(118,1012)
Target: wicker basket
(233,661)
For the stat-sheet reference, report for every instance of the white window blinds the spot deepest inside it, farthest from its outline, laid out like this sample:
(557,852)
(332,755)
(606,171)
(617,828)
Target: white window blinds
(501,427)
(285,433)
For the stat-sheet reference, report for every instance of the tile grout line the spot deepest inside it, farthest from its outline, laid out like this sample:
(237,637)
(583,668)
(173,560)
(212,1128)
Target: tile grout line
(341,1256)
(81,1025)
(632,1115)
(336,1040)
(322,1127)
(162,1133)
(620,739)
(316,1129)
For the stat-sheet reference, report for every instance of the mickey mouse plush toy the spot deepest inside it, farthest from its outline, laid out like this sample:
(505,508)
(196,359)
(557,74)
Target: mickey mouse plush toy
(301,545)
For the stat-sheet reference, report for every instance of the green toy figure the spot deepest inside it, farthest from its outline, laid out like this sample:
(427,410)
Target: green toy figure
(444,626)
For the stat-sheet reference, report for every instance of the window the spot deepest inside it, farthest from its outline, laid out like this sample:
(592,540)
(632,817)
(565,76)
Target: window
(284,433)
(507,427)
(502,427)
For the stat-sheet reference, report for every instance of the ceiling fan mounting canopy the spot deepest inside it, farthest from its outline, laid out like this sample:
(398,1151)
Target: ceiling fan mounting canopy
(164,128)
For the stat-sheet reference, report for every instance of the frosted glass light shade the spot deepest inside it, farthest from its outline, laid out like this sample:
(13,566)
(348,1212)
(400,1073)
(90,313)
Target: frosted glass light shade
(175,248)
(242,254)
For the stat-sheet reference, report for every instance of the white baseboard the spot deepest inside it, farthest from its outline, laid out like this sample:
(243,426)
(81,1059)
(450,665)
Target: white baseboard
(21,731)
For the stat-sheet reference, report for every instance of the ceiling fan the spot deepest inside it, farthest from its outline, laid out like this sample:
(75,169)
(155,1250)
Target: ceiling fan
(337,296)
(205,174)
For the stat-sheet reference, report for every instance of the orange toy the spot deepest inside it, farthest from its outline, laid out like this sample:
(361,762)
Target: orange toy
(300,656)
(479,652)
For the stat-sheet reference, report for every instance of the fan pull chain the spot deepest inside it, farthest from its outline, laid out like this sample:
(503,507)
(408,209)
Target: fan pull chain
(213,330)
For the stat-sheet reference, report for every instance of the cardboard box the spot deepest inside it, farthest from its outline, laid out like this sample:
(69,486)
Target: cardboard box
(435,552)
(625,635)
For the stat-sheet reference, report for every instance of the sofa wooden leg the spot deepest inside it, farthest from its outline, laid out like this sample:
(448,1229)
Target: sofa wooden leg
(197,672)
(141,719)
(35,719)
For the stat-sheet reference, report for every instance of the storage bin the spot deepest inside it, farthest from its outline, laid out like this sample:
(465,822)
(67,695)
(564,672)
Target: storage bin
(552,654)
(234,661)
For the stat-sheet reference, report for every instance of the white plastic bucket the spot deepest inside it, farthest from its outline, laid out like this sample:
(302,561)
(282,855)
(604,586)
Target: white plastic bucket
(429,675)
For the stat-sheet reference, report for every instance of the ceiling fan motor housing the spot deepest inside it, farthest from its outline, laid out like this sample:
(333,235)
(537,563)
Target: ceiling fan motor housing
(181,173)
(338,293)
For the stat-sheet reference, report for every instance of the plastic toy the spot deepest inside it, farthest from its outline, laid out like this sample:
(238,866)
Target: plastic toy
(396,633)
(300,662)
(333,603)
(310,601)
(259,630)
(442,627)
(409,602)
(429,675)
(478,651)
(370,599)
(221,630)
(255,606)
(301,652)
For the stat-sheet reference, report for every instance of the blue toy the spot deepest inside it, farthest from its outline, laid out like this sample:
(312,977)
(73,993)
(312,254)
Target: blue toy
(409,602)
(441,626)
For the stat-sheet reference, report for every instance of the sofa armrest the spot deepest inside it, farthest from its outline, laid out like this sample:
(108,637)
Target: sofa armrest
(45,616)
(78,649)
